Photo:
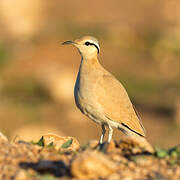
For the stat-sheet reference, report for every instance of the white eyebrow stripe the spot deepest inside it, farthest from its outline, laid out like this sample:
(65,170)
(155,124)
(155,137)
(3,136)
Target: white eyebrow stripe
(91,41)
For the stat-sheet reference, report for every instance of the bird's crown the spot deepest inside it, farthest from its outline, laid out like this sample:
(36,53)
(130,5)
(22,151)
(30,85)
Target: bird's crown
(87,45)
(89,41)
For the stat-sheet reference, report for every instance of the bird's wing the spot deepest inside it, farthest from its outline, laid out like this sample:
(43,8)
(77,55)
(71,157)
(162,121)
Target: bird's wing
(116,104)
(139,119)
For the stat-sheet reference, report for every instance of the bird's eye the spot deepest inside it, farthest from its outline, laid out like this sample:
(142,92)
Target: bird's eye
(87,43)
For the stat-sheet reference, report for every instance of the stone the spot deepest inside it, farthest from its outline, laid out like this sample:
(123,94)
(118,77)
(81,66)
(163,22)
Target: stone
(3,137)
(92,164)
(59,142)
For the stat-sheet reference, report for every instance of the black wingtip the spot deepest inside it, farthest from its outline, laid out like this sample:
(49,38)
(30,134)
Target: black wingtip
(131,129)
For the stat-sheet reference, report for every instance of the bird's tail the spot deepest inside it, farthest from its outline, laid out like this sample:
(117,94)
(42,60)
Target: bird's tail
(142,142)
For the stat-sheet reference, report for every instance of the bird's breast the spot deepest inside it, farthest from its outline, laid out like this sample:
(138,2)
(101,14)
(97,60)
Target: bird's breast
(85,94)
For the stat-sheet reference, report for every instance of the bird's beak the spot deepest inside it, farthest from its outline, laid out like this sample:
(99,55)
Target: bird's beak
(68,42)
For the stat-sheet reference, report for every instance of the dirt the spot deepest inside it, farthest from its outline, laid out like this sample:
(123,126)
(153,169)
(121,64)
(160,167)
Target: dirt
(54,157)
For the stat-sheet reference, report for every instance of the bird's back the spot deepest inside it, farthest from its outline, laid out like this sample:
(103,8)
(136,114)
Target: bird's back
(117,105)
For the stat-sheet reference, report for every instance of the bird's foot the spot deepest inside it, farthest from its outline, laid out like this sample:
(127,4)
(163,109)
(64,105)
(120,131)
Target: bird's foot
(102,146)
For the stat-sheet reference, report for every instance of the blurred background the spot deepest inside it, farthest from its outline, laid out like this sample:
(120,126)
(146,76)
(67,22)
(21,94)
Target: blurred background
(140,45)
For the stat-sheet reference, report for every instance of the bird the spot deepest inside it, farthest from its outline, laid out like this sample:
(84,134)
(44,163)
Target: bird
(100,96)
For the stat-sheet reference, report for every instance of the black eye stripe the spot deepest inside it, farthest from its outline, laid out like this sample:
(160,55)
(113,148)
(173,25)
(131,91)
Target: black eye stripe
(92,44)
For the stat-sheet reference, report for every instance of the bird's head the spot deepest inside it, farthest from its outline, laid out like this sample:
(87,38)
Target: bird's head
(88,46)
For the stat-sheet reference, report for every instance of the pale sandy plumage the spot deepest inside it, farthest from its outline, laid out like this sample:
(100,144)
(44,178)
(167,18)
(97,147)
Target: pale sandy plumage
(100,96)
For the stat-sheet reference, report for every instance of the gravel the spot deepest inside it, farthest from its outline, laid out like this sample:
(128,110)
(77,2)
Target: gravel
(122,160)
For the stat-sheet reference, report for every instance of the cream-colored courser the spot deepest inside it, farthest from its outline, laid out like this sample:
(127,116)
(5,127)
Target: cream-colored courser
(100,96)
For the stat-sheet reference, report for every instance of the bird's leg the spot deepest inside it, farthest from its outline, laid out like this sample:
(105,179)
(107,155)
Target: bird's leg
(103,133)
(110,133)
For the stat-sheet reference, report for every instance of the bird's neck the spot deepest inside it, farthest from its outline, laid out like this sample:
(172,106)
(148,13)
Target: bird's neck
(88,65)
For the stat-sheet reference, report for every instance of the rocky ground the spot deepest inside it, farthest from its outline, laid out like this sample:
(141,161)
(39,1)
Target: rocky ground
(54,157)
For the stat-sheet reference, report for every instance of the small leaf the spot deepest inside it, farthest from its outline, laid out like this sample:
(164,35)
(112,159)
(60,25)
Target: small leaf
(50,145)
(33,143)
(161,153)
(174,154)
(133,158)
(175,151)
(67,143)
(173,162)
(41,142)
(48,177)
